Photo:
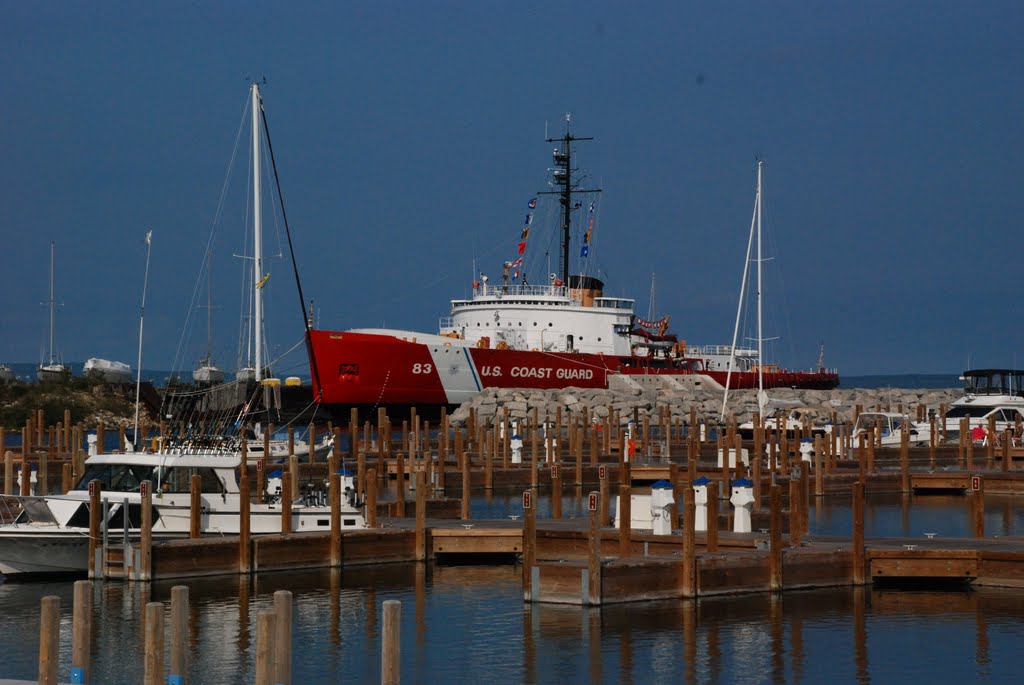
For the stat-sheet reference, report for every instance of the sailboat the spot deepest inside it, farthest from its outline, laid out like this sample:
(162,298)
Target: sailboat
(53,370)
(795,417)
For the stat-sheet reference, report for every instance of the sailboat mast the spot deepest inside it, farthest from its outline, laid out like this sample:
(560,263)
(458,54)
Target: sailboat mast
(209,308)
(257,233)
(760,337)
(739,307)
(52,249)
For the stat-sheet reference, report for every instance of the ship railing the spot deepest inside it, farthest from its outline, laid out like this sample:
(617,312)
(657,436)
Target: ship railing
(502,291)
(720,350)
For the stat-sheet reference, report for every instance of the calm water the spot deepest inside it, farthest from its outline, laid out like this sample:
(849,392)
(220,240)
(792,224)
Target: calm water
(469,623)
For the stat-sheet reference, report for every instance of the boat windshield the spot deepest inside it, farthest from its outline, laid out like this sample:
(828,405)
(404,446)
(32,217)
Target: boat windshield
(994,382)
(179,480)
(866,421)
(116,477)
(970,412)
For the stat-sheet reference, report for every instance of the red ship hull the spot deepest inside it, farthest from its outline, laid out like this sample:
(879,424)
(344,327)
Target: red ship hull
(351,368)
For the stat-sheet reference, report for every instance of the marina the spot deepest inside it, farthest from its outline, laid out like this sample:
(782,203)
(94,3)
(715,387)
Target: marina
(854,520)
(467,374)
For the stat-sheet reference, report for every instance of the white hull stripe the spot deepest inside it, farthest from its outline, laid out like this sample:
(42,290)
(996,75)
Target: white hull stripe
(456,371)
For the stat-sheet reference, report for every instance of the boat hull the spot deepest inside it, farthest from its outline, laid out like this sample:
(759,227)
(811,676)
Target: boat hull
(354,368)
(43,553)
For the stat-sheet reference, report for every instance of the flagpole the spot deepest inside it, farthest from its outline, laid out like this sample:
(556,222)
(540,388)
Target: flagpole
(142,313)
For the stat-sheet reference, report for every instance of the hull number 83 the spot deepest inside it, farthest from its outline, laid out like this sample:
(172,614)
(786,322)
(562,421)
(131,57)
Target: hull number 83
(422,368)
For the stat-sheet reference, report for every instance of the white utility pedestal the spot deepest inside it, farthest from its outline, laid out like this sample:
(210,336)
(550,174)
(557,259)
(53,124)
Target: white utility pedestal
(742,500)
(700,499)
(661,507)
(516,445)
(806,449)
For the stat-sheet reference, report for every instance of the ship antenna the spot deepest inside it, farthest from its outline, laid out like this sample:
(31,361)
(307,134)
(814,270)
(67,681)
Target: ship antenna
(562,181)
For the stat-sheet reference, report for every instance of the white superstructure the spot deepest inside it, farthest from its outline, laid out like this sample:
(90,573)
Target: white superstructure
(549,318)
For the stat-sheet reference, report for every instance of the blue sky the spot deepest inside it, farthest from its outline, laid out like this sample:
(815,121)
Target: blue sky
(409,137)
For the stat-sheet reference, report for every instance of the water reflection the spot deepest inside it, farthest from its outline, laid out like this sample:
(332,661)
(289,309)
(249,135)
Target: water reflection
(469,623)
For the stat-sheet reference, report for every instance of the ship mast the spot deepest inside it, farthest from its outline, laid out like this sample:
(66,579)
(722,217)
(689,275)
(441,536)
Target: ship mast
(562,180)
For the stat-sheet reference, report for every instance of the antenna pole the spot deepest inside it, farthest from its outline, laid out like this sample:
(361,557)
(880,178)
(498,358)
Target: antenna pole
(563,182)
(138,366)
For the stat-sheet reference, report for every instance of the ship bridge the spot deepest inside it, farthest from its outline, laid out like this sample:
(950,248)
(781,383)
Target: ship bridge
(551,318)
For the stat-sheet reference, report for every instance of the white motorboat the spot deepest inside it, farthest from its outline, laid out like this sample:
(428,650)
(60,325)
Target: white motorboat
(891,427)
(51,533)
(106,370)
(988,394)
(797,419)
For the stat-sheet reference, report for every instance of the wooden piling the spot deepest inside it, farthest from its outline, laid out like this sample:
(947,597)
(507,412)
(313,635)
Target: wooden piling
(594,556)
(489,460)
(334,494)
(805,500)
(286,502)
(775,539)
(605,489)
(556,492)
(65,477)
(859,554)
(978,509)
(153,657)
(871,449)
(361,467)
(144,572)
(265,633)
(81,632)
(819,467)
(95,516)
(195,513)
(578,449)
(371,498)
(391,643)
(688,581)
(9,472)
(49,640)
(905,458)
(990,444)
(625,519)
(794,511)
(26,472)
(400,478)
(244,505)
(421,516)
(529,542)
(465,508)
(43,480)
(179,636)
(293,470)
(1005,457)
(711,536)
(283,637)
